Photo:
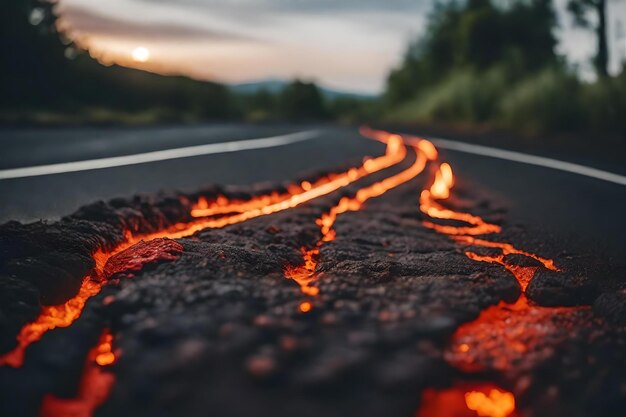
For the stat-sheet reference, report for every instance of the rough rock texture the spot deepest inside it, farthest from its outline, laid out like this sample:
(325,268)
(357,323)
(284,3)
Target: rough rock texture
(219,330)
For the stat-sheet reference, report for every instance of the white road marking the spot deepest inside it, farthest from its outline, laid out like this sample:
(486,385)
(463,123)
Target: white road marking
(164,155)
(530,160)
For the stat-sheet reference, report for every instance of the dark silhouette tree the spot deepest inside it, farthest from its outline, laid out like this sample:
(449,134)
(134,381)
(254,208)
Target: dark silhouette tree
(33,64)
(302,101)
(36,73)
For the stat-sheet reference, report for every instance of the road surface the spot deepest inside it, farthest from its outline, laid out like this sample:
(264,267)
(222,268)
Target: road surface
(588,212)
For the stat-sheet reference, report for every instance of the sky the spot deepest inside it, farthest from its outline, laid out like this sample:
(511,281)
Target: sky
(343,44)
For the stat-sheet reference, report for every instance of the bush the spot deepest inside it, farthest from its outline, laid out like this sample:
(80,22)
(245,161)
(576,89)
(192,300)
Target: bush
(464,96)
(546,102)
(604,103)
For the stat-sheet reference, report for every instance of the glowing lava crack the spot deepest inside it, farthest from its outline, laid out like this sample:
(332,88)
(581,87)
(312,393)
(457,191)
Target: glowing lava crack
(65,314)
(503,337)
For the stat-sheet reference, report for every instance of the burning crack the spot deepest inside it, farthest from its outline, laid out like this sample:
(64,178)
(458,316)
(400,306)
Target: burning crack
(65,314)
(388,317)
(305,274)
(502,335)
(95,384)
(129,260)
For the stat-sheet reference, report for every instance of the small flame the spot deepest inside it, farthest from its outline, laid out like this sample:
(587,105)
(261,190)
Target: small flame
(469,399)
(494,404)
(305,307)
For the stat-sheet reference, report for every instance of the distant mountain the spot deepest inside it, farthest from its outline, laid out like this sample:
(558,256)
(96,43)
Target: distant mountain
(275,86)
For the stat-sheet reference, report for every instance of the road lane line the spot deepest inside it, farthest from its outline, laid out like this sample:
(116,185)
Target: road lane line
(163,155)
(529,159)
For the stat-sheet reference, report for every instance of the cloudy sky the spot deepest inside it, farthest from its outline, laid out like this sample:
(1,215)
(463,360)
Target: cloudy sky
(345,44)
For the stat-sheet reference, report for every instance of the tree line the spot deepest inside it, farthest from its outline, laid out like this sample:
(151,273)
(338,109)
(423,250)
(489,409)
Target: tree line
(479,63)
(495,63)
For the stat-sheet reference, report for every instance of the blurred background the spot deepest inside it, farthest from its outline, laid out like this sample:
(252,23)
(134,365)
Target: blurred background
(537,68)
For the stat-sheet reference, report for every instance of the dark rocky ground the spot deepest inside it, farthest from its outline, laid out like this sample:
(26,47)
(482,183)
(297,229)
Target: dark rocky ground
(218,331)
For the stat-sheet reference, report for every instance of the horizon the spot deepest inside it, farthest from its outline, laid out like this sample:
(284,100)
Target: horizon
(246,41)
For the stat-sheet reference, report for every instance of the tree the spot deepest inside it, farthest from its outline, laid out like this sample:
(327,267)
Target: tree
(582,10)
(302,101)
(477,35)
(33,65)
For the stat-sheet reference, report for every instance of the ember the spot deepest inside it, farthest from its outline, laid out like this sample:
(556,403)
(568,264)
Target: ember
(95,385)
(468,400)
(493,404)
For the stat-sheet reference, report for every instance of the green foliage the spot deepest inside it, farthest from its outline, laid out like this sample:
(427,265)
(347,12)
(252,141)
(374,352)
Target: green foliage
(464,96)
(546,102)
(484,63)
(260,106)
(604,104)
(302,101)
(354,110)
(37,79)
(476,35)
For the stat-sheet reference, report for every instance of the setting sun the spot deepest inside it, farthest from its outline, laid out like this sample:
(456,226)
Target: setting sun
(140,54)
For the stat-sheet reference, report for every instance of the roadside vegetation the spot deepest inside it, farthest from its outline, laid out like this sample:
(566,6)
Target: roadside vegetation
(480,64)
(490,65)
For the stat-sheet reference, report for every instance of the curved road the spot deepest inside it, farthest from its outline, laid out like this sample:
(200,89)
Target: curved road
(586,212)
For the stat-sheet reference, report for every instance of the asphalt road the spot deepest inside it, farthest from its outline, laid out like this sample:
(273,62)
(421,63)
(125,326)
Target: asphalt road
(586,212)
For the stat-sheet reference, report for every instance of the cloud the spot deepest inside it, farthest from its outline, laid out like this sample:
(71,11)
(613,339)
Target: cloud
(307,5)
(84,21)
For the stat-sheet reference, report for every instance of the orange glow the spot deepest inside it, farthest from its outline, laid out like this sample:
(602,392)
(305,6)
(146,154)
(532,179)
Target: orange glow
(223,205)
(494,404)
(50,317)
(523,274)
(65,314)
(467,400)
(104,351)
(505,335)
(305,307)
(305,273)
(502,334)
(95,385)
(507,249)
(416,142)
(440,189)
(395,153)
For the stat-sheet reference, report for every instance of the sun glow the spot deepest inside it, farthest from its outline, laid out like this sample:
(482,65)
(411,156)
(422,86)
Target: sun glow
(140,54)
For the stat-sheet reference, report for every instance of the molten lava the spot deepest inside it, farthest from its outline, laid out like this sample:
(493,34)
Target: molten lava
(502,335)
(493,404)
(65,314)
(122,259)
(305,273)
(440,190)
(51,317)
(467,400)
(95,385)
